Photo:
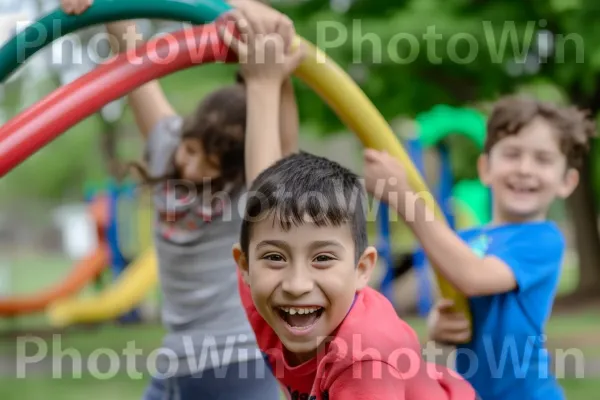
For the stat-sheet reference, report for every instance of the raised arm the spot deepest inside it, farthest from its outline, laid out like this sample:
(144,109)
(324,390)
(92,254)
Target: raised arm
(266,61)
(289,124)
(148,102)
(449,254)
(263,142)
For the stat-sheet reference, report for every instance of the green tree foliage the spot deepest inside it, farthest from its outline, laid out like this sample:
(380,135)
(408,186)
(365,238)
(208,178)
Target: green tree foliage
(411,55)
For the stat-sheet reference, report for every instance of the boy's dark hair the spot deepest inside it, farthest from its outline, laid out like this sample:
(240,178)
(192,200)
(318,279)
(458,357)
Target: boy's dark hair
(304,185)
(219,124)
(573,127)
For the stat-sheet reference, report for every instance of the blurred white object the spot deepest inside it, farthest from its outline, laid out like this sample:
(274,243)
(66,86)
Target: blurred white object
(78,231)
(113,110)
(9,23)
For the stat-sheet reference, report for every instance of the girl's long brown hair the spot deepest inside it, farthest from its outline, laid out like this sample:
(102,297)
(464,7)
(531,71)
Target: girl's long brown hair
(219,123)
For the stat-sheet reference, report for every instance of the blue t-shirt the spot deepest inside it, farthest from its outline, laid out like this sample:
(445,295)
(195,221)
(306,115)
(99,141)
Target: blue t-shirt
(507,358)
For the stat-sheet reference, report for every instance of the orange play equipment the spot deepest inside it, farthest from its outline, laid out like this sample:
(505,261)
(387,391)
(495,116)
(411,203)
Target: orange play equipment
(82,273)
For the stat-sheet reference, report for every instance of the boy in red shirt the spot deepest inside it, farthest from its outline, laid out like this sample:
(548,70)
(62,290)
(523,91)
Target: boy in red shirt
(305,264)
(304,261)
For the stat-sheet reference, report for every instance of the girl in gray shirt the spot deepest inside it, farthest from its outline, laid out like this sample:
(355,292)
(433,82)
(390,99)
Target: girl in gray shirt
(196,168)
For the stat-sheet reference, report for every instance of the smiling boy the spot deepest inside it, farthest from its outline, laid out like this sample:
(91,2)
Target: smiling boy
(510,269)
(304,263)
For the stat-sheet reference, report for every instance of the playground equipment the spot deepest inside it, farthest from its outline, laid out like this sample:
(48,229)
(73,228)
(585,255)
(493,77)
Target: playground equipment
(132,280)
(116,193)
(465,203)
(41,123)
(468,196)
(129,290)
(84,272)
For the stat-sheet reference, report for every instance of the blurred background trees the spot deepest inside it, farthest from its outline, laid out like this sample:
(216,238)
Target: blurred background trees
(407,56)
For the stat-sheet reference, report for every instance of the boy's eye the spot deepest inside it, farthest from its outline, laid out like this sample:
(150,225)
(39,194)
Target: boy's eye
(323,258)
(511,154)
(274,257)
(545,159)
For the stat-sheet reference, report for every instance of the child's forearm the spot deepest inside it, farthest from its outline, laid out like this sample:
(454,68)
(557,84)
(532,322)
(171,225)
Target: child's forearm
(123,36)
(447,252)
(263,143)
(289,124)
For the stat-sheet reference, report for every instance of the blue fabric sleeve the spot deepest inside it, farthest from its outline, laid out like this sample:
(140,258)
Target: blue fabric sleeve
(534,253)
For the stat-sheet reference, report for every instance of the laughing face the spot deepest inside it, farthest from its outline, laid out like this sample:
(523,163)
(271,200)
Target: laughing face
(526,172)
(303,281)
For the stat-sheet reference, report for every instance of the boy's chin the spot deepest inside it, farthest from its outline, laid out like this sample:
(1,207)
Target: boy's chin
(302,350)
(522,212)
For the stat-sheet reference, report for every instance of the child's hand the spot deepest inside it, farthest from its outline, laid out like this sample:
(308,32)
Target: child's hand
(385,178)
(446,326)
(265,19)
(75,6)
(264,47)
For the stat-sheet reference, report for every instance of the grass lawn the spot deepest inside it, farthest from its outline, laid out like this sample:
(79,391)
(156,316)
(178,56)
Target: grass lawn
(576,330)
(123,387)
(88,387)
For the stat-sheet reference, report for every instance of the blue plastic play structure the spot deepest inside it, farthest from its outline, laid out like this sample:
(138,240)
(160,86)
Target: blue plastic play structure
(443,194)
(384,248)
(118,262)
(470,196)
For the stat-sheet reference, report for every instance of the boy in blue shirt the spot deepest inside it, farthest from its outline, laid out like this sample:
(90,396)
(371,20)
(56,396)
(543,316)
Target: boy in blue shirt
(510,269)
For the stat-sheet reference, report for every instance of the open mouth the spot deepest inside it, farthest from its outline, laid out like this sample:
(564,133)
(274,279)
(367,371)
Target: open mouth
(300,318)
(522,188)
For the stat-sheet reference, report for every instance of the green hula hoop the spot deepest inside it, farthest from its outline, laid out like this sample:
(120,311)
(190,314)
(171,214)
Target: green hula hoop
(57,24)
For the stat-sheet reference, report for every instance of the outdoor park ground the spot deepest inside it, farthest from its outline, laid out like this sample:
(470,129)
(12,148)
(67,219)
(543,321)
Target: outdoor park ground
(573,332)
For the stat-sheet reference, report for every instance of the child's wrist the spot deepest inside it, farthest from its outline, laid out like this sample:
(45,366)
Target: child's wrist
(263,83)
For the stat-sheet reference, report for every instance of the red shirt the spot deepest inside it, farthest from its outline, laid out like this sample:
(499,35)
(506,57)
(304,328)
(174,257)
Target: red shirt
(374,355)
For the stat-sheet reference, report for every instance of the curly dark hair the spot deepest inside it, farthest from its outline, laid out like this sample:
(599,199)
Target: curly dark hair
(219,124)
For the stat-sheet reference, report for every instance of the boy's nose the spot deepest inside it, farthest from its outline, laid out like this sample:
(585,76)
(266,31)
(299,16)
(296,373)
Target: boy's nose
(526,166)
(297,283)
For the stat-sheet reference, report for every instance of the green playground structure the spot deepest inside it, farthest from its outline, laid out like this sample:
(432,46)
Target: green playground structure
(469,196)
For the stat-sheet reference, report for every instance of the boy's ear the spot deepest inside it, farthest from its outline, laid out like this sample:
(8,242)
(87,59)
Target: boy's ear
(241,261)
(483,166)
(365,267)
(570,182)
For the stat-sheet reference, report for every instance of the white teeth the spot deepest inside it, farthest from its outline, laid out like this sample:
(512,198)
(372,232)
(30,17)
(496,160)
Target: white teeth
(299,310)
(519,188)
